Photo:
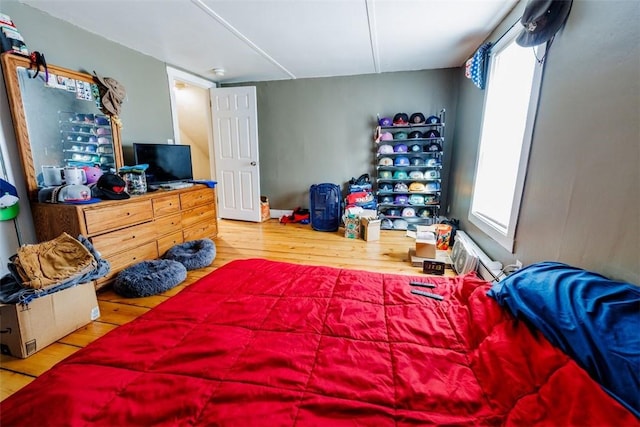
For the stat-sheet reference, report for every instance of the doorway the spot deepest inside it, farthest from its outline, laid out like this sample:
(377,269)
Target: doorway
(191,114)
(220,125)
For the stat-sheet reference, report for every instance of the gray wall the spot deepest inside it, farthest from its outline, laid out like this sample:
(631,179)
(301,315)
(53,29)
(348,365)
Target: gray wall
(582,192)
(321,130)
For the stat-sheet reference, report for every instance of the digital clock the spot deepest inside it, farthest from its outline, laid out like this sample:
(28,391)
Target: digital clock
(433,267)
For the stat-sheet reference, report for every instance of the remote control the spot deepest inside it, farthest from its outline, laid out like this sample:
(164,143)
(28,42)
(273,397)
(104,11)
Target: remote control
(424,285)
(427,294)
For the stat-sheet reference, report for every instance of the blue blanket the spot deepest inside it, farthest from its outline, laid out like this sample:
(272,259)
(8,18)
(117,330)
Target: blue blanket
(594,320)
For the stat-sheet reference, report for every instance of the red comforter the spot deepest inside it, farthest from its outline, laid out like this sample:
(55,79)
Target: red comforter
(260,343)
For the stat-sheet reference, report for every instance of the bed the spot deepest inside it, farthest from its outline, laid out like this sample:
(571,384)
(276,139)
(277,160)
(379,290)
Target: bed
(263,343)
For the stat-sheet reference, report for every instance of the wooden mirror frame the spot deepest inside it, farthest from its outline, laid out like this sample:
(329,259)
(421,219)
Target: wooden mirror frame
(10,64)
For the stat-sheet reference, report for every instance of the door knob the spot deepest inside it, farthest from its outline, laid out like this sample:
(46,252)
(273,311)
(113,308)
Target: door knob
(253,163)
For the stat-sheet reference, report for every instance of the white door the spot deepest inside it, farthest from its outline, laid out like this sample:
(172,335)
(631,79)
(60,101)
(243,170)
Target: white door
(235,141)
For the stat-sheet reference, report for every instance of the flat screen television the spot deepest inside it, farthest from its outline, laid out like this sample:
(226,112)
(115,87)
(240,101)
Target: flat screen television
(167,163)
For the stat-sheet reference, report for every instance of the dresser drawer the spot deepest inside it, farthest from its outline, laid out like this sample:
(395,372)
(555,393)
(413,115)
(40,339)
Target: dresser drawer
(166,205)
(200,231)
(195,215)
(125,239)
(124,259)
(168,224)
(117,216)
(167,242)
(195,198)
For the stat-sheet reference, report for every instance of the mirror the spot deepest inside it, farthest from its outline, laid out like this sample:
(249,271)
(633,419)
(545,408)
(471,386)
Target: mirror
(57,121)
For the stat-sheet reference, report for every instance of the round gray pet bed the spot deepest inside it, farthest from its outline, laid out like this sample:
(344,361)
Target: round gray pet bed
(193,254)
(148,278)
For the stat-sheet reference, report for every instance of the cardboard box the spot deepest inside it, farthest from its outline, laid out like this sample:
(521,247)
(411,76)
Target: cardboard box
(351,228)
(426,248)
(265,211)
(27,329)
(441,256)
(370,229)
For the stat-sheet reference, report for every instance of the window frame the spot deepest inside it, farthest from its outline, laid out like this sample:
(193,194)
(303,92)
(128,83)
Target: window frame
(506,236)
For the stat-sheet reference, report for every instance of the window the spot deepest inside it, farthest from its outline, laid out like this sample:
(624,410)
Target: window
(511,98)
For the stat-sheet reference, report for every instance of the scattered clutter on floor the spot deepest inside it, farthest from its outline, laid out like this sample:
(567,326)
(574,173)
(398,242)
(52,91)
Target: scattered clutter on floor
(265,211)
(299,215)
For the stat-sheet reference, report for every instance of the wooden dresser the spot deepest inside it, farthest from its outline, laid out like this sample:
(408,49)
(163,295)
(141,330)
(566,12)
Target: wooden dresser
(129,231)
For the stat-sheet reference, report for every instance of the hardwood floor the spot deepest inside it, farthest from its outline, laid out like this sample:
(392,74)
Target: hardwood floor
(236,240)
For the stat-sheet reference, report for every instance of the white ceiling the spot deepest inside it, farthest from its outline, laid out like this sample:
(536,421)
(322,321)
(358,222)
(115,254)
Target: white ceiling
(258,40)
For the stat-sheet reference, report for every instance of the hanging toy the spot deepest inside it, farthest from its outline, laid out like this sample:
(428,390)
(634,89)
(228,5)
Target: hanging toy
(38,62)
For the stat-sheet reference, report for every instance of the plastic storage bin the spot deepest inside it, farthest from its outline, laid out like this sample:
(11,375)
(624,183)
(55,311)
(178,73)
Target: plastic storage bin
(325,203)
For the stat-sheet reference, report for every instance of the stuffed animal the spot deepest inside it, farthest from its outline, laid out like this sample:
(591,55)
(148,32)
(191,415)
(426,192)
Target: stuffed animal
(93,173)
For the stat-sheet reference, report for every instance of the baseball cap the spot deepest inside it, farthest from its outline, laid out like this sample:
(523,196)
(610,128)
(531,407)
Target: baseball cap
(101,120)
(417,118)
(541,20)
(432,133)
(408,212)
(400,148)
(385,149)
(110,186)
(401,199)
(386,136)
(400,135)
(400,224)
(401,119)
(385,161)
(76,194)
(401,161)
(385,121)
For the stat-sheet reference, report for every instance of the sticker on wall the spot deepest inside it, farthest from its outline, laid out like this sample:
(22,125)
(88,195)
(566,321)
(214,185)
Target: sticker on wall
(63,83)
(83,91)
